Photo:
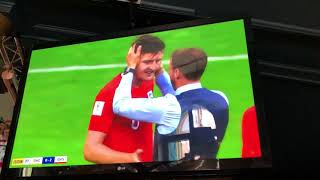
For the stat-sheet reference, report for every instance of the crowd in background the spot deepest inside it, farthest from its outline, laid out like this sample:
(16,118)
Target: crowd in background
(4,133)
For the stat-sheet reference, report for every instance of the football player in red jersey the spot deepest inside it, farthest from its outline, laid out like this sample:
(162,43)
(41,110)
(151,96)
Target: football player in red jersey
(115,139)
(250,134)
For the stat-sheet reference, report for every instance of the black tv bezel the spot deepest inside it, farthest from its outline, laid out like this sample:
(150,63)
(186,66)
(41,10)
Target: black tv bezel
(241,165)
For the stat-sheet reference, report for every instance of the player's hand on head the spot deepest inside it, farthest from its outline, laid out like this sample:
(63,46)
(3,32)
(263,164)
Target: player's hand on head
(136,155)
(133,56)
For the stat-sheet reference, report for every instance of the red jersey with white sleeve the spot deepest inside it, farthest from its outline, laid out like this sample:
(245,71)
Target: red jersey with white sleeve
(123,134)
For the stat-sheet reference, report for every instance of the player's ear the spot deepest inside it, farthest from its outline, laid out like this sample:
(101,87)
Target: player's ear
(177,73)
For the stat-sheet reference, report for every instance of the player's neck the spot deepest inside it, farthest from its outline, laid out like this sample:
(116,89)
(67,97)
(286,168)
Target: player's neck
(184,82)
(136,82)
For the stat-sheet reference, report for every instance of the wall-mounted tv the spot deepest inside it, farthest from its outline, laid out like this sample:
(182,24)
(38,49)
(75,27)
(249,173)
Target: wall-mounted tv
(205,115)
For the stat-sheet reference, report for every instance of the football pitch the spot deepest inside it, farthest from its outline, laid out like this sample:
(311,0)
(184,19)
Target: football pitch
(57,104)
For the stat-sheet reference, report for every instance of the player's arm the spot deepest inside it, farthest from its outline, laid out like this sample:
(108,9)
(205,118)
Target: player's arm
(164,83)
(222,125)
(95,151)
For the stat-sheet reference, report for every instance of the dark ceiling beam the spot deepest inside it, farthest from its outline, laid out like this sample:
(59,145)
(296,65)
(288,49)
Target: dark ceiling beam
(62,30)
(6,6)
(155,6)
(285,27)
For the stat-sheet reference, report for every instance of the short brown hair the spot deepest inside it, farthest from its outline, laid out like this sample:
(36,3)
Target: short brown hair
(191,61)
(149,43)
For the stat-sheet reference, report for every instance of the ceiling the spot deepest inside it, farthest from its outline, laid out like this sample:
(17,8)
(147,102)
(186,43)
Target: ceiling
(54,20)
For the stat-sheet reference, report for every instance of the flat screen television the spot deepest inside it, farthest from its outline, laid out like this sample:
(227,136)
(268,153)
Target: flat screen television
(59,106)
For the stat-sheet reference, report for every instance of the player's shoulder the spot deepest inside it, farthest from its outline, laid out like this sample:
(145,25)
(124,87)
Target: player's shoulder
(250,112)
(220,93)
(109,89)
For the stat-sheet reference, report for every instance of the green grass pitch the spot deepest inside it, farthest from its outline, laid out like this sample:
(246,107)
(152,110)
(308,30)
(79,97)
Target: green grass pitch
(56,107)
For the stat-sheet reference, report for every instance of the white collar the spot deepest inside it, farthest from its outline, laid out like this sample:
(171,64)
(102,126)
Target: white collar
(188,87)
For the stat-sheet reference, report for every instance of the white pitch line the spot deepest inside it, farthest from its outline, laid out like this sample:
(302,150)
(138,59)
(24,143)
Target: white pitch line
(108,66)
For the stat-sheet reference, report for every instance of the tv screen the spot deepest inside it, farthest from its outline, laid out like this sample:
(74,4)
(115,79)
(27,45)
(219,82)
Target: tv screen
(67,116)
